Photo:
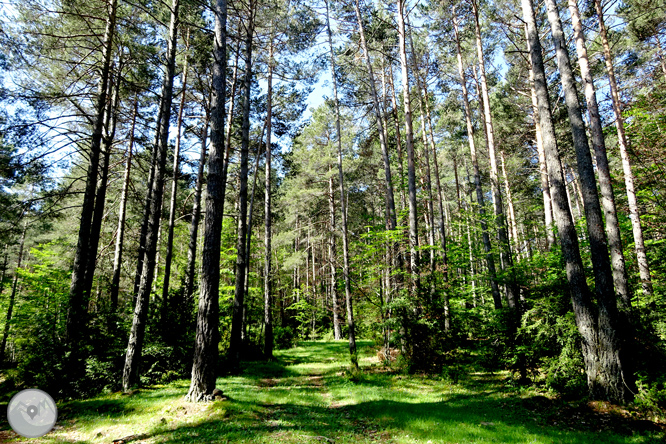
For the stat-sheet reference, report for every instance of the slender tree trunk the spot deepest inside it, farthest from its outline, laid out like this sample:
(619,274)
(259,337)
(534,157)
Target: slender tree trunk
(427,178)
(512,212)
(235,345)
(268,304)
(603,368)
(122,212)
(12,296)
(108,134)
(207,333)
(623,142)
(172,204)
(343,206)
(490,261)
(543,168)
(78,296)
(409,143)
(603,170)
(390,202)
(398,140)
(196,214)
(4,271)
(137,333)
(332,257)
(512,291)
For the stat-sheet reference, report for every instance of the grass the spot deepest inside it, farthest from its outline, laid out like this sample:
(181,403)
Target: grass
(308,396)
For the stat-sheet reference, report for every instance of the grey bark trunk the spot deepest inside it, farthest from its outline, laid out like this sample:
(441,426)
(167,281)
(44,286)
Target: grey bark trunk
(78,296)
(135,345)
(172,204)
(490,261)
(268,304)
(343,207)
(409,143)
(196,214)
(235,345)
(603,170)
(512,292)
(12,296)
(332,257)
(623,142)
(207,332)
(602,366)
(390,202)
(122,212)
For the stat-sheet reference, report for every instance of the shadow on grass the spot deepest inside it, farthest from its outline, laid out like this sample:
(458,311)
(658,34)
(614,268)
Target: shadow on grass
(461,419)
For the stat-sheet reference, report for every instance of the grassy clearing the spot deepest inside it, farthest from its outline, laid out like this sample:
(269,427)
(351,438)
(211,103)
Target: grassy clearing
(307,396)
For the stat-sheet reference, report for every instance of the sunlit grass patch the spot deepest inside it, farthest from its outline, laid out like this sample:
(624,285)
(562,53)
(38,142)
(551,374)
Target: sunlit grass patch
(309,395)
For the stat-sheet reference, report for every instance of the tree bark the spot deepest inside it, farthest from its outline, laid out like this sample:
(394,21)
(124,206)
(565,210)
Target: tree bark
(196,214)
(343,206)
(390,201)
(207,333)
(235,345)
(610,339)
(332,257)
(268,316)
(512,292)
(122,212)
(603,369)
(409,143)
(172,204)
(490,261)
(543,168)
(137,333)
(78,296)
(623,142)
(12,296)
(603,170)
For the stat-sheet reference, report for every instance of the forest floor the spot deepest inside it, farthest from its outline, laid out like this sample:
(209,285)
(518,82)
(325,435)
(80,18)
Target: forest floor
(308,396)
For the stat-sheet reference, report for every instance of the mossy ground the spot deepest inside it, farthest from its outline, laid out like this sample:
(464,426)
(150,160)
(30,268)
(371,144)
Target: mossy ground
(308,396)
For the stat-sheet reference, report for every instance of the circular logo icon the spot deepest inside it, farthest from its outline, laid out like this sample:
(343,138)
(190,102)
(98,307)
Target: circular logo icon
(32,413)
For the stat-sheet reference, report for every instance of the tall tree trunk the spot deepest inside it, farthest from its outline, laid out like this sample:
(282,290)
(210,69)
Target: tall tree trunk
(603,170)
(543,168)
(78,296)
(603,369)
(409,143)
(268,316)
(623,142)
(108,134)
(137,333)
(343,206)
(174,192)
(122,212)
(12,296)
(512,291)
(512,212)
(196,214)
(4,270)
(235,345)
(490,261)
(610,338)
(390,202)
(398,139)
(427,177)
(332,257)
(207,333)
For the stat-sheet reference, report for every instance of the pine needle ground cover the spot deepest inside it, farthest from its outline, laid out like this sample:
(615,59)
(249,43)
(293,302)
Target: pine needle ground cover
(308,396)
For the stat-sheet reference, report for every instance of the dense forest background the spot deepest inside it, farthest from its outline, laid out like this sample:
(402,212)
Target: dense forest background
(186,185)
